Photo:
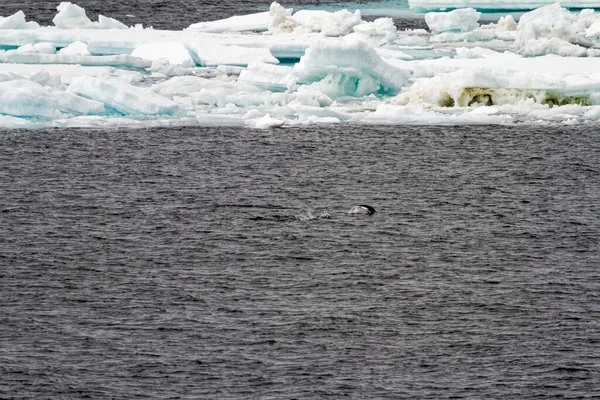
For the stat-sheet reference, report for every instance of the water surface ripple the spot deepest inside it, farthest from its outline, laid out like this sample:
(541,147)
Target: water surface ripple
(200,263)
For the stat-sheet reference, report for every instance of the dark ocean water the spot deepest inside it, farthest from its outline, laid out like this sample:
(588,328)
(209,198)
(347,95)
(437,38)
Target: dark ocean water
(164,14)
(221,263)
(197,263)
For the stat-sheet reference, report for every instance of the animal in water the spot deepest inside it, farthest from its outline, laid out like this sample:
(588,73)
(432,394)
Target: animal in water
(362,209)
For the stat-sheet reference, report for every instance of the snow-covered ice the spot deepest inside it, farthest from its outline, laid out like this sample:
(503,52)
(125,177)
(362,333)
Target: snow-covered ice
(282,68)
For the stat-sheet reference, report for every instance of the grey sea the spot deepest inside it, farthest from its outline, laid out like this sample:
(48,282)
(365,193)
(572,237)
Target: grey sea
(222,263)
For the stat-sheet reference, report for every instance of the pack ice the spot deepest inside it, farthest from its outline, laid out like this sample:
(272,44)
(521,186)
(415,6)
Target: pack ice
(286,67)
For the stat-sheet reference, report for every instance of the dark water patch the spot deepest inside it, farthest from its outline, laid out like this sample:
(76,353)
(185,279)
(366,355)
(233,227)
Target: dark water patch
(171,263)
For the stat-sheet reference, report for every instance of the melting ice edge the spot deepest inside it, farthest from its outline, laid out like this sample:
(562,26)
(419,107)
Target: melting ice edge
(285,68)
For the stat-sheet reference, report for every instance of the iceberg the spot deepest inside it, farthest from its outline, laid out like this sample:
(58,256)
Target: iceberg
(72,16)
(463,20)
(352,59)
(282,68)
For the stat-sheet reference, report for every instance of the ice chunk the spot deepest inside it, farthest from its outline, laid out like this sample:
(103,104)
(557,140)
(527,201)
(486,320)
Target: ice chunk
(266,122)
(124,60)
(183,86)
(258,22)
(279,20)
(24,98)
(109,23)
(338,23)
(17,21)
(73,104)
(354,59)
(71,16)
(75,49)
(405,115)
(9,76)
(124,98)
(551,29)
(507,23)
(175,52)
(377,33)
(214,54)
(269,77)
(463,20)
(38,48)
(12,22)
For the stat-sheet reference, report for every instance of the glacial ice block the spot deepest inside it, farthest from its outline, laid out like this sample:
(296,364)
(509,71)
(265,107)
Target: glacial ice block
(275,78)
(351,58)
(553,29)
(17,21)
(71,103)
(75,49)
(71,16)
(124,98)
(337,23)
(258,22)
(463,20)
(124,60)
(24,98)
(208,55)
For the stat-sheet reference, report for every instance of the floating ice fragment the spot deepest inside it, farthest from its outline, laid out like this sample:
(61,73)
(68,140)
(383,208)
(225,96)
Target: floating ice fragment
(338,23)
(24,98)
(38,48)
(552,30)
(124,98)
(17,21)
(269,77)
(258,22)
(376,33)
(355,59)
(71,16)
(266,122)
(214,54)
(124,60)
(75,49)
(279,20)
(463,20)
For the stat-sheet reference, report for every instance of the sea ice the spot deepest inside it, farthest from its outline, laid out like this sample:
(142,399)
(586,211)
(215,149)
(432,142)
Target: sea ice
(279,68)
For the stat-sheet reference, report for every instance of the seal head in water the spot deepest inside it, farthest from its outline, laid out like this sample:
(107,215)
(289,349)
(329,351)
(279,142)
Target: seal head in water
(362,209)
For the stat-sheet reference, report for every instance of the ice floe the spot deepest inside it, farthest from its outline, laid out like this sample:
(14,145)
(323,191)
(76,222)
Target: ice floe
(283,67)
